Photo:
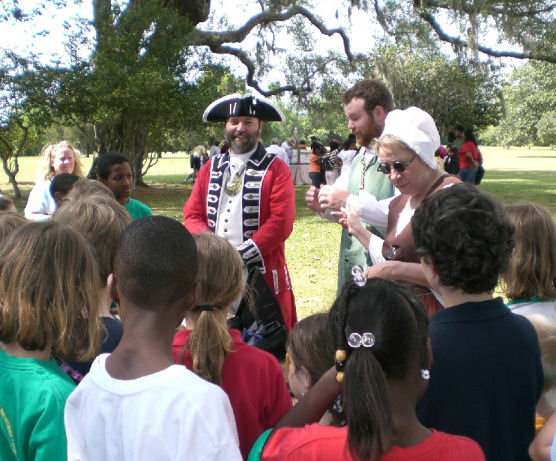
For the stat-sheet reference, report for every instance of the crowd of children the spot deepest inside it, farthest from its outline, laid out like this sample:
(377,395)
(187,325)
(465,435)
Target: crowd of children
(100,312)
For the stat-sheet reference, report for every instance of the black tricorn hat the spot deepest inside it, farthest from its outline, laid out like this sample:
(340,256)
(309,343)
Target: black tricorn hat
(236,105)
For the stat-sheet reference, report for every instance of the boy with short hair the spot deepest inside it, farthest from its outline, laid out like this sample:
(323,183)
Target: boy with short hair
(486,376)
(135,403)
(114,171)
(61,185)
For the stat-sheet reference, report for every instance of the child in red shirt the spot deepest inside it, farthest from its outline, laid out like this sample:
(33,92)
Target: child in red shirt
(252,378)
(383,360)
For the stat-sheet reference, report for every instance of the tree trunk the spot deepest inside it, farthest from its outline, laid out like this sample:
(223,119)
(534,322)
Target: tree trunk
(11,174)
(127,138)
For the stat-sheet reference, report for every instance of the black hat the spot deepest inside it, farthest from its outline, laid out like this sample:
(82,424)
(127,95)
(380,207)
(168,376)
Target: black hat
(236,105)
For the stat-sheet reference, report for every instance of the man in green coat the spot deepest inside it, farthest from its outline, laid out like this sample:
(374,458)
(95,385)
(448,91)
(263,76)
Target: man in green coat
(363,188)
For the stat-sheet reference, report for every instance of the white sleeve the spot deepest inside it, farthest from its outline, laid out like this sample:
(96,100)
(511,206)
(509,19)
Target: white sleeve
(342,181)
(40,202)
(369,209)
(375,249)
(220,440)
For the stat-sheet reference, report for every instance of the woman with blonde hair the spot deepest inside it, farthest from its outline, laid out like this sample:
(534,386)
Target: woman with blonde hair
(406,155)
(252,378)
(53,312)
(529,282)
(56,158)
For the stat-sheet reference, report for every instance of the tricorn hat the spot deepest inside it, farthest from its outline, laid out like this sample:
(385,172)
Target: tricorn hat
(236,105)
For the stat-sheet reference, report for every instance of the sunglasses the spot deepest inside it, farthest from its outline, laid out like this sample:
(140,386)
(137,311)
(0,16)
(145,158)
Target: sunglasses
(400,167)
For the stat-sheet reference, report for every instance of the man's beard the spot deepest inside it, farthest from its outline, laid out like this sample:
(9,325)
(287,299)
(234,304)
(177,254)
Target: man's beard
(241,147)
(372,133)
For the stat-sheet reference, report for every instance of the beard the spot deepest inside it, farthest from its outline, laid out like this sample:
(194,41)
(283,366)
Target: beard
(372,132)
(237,147)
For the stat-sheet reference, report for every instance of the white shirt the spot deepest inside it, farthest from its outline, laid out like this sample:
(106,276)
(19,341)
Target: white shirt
(40,201)
(370,210)
(544,308)
(214,150)
(169,415)
(289,149)
(346,156)
(229,221)
(279,152)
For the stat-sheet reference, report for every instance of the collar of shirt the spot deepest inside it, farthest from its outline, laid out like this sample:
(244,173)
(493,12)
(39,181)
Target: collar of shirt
(368,153)
(237,161)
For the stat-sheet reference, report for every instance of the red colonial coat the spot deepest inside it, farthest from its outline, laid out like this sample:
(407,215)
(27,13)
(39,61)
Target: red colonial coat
(271,191)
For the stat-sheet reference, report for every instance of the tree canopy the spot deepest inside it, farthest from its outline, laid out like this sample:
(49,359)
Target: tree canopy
(153,65)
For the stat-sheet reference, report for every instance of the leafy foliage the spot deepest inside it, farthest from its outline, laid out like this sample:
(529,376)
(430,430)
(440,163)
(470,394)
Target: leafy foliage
(451,92)
(27,92)
(524,29)
(529,99)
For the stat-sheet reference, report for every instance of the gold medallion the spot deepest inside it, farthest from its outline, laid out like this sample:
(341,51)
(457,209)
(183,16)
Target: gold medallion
(233,185)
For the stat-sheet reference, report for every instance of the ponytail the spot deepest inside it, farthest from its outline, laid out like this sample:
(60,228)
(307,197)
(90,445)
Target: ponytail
(367,407)
(209,343)
(220,276)
(398,326)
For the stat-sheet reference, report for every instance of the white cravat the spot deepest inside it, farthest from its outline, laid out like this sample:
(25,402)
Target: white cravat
(229,222)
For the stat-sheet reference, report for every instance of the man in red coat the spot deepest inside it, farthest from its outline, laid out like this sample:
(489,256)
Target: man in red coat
(247,194)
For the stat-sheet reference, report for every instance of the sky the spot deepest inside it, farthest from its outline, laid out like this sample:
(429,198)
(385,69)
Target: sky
(47,33)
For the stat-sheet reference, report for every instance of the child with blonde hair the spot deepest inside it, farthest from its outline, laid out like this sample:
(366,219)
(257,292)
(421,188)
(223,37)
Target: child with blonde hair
(529,281)
(48,288)
(310,353)
(7,205)
(10,221)
(56,158)
(101,220)
(252,378)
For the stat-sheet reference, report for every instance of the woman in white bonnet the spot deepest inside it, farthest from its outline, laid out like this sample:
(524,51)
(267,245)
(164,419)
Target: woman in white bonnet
(406,153)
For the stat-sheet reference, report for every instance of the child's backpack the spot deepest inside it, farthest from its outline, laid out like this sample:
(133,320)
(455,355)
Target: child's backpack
(451,163)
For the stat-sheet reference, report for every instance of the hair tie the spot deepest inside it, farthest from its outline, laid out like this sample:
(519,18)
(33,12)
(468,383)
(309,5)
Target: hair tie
(358,274)
(356,340)
(205,307)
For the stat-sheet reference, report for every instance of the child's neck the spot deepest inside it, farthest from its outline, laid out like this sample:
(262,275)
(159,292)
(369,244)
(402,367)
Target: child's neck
(407,430)
(454,297)
(146,344)
(15,350)
(104,302)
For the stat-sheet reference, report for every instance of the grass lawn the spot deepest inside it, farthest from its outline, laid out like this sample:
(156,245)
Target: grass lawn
(514,175)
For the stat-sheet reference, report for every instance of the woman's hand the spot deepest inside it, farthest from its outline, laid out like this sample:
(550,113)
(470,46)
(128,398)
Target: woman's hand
(353,223)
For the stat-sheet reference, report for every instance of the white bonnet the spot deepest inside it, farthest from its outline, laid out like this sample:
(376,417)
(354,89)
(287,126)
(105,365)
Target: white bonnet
(417,129)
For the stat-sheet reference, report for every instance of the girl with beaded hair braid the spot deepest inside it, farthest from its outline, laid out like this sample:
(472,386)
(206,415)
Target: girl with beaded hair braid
(382,366)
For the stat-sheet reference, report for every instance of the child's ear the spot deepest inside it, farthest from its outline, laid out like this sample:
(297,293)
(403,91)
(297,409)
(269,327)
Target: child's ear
(113,288)
(305,378)
(58,197)
(193,295)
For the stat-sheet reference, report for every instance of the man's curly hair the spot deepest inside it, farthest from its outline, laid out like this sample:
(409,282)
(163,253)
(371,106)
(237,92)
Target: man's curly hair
(466,235)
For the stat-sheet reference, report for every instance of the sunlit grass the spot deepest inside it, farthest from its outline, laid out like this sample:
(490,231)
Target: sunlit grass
(515,175)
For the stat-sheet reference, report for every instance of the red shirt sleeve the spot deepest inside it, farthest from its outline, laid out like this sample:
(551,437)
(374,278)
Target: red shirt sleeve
(195,209)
